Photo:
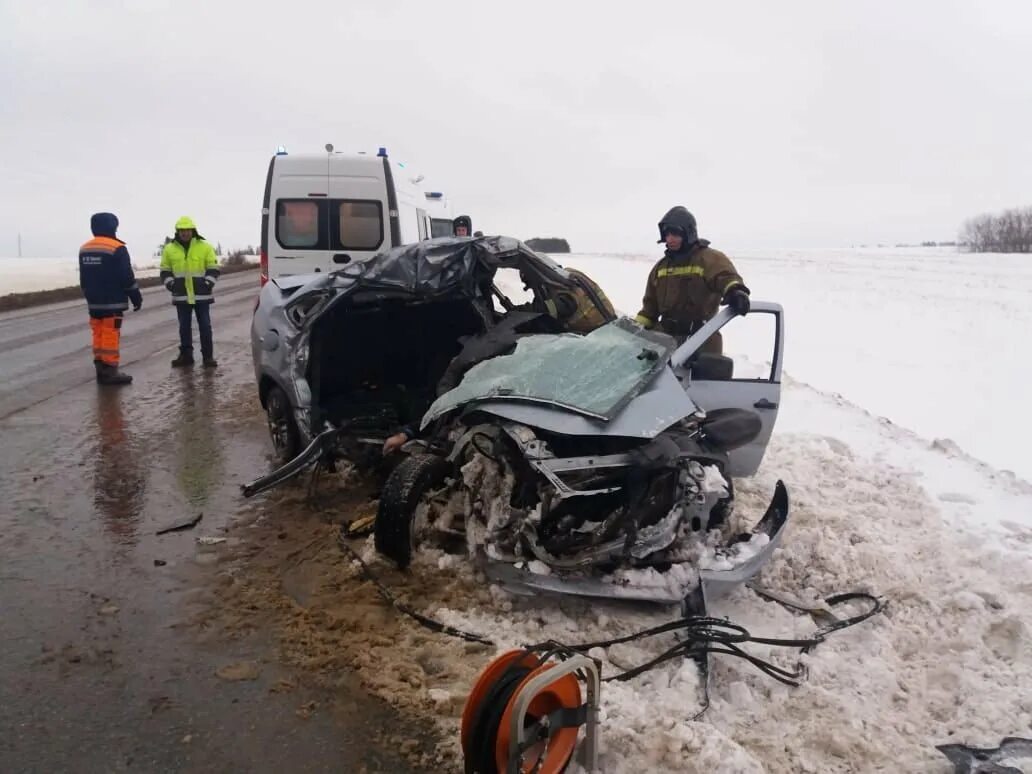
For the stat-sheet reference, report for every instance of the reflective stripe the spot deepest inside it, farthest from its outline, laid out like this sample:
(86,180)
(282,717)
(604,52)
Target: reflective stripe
(134,286)
(730,285)
(644,321)
(101,245)
(108,307)
(681,271)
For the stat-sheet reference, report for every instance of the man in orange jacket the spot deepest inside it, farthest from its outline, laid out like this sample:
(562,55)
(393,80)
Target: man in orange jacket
(107,281)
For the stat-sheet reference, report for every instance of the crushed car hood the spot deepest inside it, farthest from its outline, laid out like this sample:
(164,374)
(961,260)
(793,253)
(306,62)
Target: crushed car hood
(660,404)
(602,383)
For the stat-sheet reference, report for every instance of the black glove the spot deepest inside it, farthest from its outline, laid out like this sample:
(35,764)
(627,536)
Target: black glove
(738,299)
(136,307)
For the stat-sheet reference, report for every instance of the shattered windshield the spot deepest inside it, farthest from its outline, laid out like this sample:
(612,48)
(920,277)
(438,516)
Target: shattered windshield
(595,374)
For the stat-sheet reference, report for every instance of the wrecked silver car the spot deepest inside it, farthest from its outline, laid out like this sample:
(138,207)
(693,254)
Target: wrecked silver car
(597,465)
(583,459)
(343,359)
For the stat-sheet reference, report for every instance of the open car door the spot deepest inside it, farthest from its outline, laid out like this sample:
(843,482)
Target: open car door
(747,376)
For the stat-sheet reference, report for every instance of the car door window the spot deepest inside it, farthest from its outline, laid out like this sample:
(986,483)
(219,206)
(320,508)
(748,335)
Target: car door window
(751,343)
(509,282)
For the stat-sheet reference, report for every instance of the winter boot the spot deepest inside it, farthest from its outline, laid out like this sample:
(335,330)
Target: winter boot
(210,362)
(108,374)
(185,359)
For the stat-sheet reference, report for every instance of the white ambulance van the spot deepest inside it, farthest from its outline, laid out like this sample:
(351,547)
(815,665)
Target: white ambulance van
(323,211)
(440,214)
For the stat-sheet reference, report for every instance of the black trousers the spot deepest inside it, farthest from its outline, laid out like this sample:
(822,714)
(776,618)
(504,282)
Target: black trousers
(186,314)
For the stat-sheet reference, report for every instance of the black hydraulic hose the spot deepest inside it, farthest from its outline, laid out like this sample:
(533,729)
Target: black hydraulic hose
(393,601)
(701,634)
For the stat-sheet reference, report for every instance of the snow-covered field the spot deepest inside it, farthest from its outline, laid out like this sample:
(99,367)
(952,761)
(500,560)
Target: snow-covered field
(902,409)
(24,275)
(934,340)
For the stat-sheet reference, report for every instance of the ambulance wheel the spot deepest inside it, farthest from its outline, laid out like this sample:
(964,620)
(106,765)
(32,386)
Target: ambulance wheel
(286,439)
(407,484)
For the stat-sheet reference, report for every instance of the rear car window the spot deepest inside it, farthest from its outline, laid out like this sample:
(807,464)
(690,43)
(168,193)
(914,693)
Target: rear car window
(298,224)
(359,224)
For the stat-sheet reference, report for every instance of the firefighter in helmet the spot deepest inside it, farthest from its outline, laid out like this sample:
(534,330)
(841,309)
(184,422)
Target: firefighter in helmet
(689,283)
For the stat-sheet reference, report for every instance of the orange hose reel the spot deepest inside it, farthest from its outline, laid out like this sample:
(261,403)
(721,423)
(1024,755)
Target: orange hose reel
(492,737)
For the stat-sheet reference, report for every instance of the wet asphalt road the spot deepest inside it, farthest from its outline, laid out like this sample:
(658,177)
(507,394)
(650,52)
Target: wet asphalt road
(99,667)
(44,350)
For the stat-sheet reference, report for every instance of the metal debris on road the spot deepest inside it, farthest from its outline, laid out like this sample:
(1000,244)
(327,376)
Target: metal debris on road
(183,524)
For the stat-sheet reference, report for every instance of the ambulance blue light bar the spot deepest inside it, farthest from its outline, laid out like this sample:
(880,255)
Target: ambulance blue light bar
(382,152)
(434,195)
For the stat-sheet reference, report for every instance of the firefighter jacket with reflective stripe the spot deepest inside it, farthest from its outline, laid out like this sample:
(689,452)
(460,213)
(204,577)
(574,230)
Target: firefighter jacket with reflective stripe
(106,277)
(588,316)
(686,288)
(190,273)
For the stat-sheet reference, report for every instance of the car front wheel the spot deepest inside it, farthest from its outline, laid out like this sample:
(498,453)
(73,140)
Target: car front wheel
(394,532)
(286,439)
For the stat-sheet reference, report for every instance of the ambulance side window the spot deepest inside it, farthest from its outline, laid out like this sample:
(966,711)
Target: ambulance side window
(300,224)
(356,224)
(440,227)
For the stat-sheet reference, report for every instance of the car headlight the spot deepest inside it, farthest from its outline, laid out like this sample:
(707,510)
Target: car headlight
(298,310)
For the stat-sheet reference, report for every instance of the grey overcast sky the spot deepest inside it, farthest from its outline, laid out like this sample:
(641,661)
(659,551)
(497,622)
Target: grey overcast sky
(811,123)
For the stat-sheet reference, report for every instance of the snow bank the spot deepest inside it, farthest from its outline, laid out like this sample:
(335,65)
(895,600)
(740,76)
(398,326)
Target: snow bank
(949,661)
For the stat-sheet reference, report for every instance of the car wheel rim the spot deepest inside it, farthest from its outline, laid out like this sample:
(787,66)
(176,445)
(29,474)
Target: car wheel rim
(278,428)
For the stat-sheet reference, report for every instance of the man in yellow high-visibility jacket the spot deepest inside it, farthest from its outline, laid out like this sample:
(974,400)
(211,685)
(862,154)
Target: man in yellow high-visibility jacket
(190,270)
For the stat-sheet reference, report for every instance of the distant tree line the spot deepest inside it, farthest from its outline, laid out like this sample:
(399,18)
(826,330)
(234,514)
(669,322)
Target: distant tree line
(548,245)
(1008,232)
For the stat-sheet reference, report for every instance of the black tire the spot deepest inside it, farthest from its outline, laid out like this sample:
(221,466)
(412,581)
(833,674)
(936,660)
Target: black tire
(286,438)
(405,487)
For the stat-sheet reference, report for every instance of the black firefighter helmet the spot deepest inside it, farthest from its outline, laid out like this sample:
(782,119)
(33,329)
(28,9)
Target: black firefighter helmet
(679,221)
